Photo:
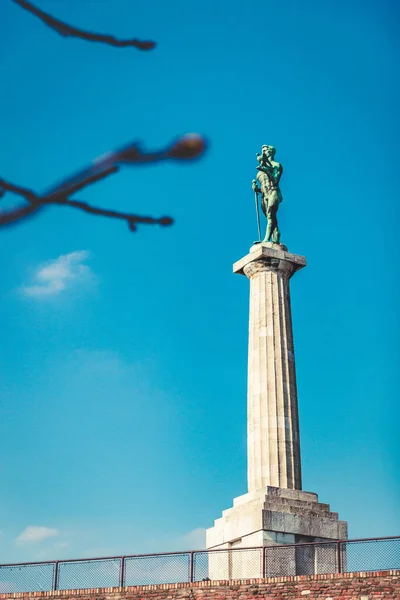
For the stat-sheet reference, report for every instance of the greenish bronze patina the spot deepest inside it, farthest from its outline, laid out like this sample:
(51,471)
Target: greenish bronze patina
(268,176)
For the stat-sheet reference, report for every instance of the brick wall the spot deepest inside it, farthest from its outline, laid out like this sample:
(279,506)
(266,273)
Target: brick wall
(383,585)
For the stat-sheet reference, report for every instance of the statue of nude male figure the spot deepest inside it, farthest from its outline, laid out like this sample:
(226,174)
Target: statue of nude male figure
(268,176)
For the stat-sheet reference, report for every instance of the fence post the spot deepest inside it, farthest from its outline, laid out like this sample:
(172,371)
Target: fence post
(264,554)
(122,573)
(55,576)
(191,566)
(339,557)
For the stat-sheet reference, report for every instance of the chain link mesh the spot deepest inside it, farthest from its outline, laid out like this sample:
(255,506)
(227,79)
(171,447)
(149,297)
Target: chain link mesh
(307,559)
(161,568)
(374,555)
(89,574)
(27,578)
(236,563)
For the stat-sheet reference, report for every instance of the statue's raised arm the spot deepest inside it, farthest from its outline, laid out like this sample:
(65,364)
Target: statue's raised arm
(268,176)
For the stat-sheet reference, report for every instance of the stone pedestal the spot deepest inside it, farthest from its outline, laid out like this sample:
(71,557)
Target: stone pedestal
(274,517)
(275,511)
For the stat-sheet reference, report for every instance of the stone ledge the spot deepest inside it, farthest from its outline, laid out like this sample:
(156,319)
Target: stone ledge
(275,492)
(273,516)
(260,251)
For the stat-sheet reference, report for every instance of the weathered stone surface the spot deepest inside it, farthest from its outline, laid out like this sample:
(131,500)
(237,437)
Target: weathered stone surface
(275,511)
(273,439)
(269,517)
(269,250)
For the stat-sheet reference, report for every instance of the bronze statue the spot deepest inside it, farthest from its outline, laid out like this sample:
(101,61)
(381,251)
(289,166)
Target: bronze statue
(268,176)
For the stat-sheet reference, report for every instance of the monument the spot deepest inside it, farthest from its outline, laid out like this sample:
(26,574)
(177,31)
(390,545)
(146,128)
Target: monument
(275,511)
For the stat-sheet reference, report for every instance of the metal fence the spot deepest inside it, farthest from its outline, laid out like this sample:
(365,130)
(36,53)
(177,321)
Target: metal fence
(373,554)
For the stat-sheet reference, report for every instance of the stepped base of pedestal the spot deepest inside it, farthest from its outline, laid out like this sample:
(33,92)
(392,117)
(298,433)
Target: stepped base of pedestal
(274,516)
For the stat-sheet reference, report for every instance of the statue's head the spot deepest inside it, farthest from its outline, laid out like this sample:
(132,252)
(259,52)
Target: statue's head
(268,150)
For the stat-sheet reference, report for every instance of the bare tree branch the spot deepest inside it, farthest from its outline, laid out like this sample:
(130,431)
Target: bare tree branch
(89,180)
(8,217)
(188,147)
(131,219)
(38,202)
(68,31)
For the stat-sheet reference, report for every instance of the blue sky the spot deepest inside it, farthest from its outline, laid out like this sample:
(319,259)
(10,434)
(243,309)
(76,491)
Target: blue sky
(123,356)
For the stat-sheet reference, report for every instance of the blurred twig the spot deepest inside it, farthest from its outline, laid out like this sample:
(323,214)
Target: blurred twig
(38,202)
(188,147)
(68,31)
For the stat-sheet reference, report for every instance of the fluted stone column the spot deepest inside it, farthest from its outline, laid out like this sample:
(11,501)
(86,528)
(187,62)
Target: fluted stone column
(275,510)
(273,440)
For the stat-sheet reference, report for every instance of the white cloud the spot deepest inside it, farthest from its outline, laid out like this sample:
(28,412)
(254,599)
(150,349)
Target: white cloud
(56,275)
(193,540)
(33,534)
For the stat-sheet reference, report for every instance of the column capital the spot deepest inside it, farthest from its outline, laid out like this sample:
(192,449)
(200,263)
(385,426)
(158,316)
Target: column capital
(267,257)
